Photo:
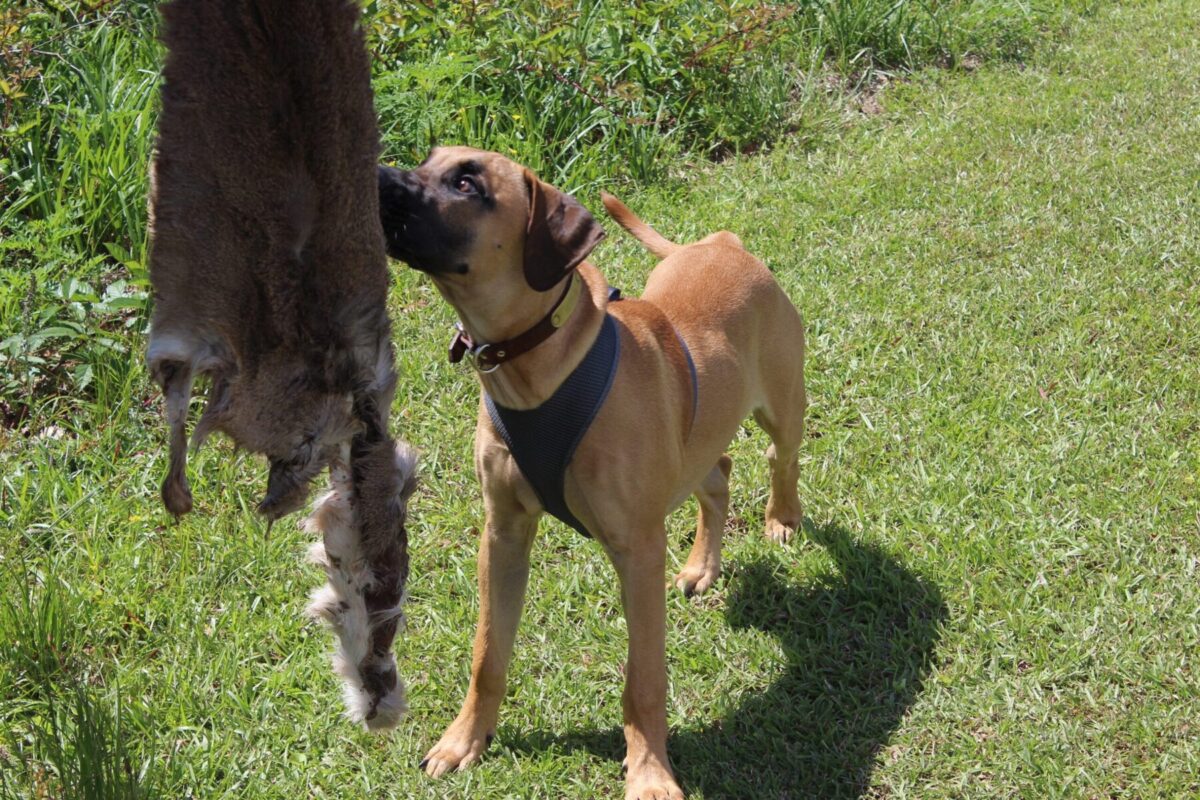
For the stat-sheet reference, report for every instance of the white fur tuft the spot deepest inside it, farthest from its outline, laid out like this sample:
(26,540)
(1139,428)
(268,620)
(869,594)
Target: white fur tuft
(341,602)
(390,709)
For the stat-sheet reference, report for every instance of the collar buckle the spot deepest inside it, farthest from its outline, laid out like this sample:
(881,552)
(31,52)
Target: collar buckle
(481,364)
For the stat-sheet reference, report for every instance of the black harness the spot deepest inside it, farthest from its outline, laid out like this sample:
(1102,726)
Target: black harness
(543,439)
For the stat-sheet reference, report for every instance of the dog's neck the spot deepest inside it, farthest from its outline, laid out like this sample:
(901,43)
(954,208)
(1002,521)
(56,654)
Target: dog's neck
(530,379)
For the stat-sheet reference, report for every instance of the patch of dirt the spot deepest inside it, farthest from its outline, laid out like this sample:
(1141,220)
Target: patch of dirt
(868,99)
(13,415)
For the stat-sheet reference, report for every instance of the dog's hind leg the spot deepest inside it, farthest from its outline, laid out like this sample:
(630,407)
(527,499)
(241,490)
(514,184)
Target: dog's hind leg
(784,423)
(704,562)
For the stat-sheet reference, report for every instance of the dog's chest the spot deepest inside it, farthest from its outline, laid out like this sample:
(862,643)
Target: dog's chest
(543,440)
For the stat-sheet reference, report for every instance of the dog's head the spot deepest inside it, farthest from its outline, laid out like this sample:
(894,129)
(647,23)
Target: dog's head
(482,225)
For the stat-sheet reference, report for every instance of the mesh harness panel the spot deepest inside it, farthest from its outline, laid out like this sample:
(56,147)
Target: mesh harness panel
(542,440)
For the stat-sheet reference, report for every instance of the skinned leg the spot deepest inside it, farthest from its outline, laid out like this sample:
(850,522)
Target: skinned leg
(704,562)
(176,378)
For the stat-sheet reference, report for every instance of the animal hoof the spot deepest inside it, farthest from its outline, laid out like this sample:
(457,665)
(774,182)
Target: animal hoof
(176,496)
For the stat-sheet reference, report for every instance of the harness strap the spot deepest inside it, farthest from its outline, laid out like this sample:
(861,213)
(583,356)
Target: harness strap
(543,440)
(687,353)
(614,294)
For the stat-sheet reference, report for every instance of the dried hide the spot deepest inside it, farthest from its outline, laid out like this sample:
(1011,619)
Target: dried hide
(269,277)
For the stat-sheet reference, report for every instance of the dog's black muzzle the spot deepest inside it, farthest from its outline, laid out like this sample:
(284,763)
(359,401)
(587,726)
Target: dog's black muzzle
(413,230)
(399,197)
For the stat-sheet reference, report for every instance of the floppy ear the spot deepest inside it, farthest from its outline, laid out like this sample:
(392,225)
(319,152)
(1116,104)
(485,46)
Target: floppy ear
(559,235)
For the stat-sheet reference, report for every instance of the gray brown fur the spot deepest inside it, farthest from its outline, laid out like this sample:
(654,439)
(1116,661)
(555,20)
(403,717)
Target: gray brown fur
(267,260)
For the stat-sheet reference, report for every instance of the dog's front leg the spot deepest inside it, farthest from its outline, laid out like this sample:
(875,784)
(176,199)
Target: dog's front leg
(643,593)
(503,574)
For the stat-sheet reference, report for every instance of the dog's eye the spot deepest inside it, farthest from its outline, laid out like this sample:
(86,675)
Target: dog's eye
(466,185)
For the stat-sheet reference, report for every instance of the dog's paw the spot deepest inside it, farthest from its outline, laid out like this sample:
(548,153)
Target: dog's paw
(650,778)
(780,531)
(696,580)
(661,788)
(460,746)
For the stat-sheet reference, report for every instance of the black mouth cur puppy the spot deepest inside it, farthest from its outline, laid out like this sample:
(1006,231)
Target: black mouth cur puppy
(664,381)
(270,277)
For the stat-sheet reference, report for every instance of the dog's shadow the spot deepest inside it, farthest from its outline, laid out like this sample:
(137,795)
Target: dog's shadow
(858,643)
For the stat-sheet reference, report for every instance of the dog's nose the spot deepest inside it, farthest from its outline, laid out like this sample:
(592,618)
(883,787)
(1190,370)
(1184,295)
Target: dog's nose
(398,189)
(400,197)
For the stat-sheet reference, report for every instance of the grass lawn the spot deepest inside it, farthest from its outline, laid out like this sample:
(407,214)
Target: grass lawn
(996,594)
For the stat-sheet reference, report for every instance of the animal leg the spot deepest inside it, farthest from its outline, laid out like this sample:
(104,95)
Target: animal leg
(503,575)
(175,378)
(704,563)
(786,429)
(644,700)
(362,601)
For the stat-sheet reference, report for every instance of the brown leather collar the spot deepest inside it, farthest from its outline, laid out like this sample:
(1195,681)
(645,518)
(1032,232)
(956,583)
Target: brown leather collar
(488,356)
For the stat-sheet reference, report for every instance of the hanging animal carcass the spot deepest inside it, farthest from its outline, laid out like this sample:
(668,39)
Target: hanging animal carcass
(269,277)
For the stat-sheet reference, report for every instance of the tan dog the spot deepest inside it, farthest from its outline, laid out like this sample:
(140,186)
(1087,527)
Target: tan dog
(500,246)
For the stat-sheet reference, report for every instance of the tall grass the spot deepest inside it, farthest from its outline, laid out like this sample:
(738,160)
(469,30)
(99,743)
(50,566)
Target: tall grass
(593,88)
(39,642)
(90,139)
(61,734)
(81,113)
(80,746)
(590,90)
(584,91)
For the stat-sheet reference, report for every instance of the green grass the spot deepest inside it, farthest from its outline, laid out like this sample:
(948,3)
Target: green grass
(584,92)
(996,594)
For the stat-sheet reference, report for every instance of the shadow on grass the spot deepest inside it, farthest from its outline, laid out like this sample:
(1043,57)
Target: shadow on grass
(858,643)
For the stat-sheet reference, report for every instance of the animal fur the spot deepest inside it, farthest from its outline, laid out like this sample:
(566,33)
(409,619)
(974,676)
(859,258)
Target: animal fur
(372,689)
(269,278)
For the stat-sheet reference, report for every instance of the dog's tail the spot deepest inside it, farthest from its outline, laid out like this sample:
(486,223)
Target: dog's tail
(654,241)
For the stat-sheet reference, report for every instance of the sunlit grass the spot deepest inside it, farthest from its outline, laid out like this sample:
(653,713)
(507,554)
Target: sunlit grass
(996,591)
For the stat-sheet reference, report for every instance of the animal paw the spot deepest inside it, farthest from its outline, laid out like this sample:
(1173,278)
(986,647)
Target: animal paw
(696,580)
(659,785)
(460,746)
(781,528)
